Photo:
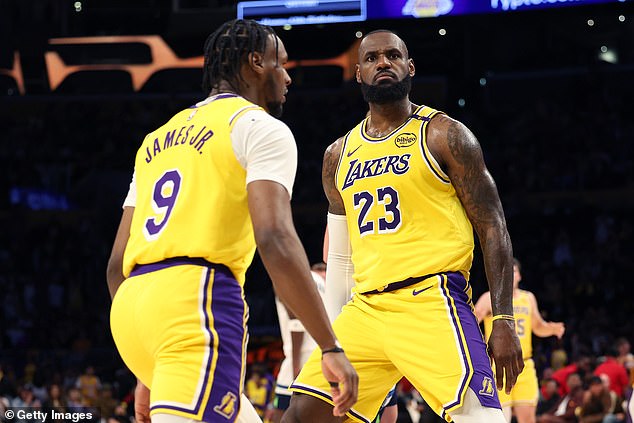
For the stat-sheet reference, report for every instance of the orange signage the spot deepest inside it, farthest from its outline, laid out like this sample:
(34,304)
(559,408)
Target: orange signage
(162,57)
(15,72)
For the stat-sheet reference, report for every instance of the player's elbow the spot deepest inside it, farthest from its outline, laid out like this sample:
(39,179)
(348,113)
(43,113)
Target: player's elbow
(271,239)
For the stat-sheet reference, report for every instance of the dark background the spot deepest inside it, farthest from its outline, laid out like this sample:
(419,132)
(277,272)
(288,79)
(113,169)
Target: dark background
(554,120)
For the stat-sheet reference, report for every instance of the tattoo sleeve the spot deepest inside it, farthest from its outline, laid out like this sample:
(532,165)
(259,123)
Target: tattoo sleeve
(479,196)
(331,160)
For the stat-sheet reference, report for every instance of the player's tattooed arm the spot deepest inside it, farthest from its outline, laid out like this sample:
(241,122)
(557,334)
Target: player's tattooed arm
(331,160)
(459,152)
(462,159)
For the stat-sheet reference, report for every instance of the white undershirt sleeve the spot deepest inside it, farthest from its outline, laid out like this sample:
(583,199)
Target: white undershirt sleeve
(130,199)
(339,271)
(266,148)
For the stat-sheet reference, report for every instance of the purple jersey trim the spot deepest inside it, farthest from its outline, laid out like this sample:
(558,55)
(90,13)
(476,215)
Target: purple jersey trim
(218,97)
(142,269)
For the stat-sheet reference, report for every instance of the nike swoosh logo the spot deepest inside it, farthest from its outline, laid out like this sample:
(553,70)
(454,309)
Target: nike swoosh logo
(350,153)
(416,292)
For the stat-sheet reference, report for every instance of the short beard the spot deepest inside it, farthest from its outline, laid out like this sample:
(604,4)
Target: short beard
(275,108)
(387,93)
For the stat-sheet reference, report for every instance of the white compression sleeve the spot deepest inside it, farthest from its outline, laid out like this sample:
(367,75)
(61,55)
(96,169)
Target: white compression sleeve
(340,269)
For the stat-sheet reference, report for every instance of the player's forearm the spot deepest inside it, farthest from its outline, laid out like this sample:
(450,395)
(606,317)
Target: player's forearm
(114,277)
(545,329)
(498,262)
(114,272)
(284,258)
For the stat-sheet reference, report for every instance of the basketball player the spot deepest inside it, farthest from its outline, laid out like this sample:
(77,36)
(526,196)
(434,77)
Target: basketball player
(297,346)
(528,320)
(211,184)
(406,185)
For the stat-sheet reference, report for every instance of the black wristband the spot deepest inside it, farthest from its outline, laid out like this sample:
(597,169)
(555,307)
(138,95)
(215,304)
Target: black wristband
(332,350)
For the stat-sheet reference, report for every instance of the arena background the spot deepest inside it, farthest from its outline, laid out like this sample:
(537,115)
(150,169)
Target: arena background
(547,92)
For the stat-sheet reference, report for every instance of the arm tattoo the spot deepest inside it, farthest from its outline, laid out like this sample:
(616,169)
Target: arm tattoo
(331,160)
(474,184)
(477,192)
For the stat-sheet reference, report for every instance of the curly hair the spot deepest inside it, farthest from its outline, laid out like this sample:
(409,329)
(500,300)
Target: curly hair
(228,46)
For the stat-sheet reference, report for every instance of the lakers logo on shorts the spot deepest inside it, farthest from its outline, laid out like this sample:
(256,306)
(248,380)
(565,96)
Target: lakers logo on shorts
(227,406)
(487,387)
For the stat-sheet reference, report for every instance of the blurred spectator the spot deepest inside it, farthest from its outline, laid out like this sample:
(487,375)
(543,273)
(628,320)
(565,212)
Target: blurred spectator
(55,399)
(548,396)
(625,357)
(258,389)
(565,410)
(615,372)
(596,402)
(75,400)
(580,367)
(89,385)
(105,403)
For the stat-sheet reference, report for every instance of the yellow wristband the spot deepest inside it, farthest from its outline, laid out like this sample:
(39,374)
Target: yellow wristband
(503,317)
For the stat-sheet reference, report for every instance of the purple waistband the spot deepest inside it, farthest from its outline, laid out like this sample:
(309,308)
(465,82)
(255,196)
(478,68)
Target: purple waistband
(141,269)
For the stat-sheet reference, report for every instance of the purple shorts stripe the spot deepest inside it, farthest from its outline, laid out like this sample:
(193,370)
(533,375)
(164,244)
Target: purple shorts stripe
(446,289)
(319,394)
(229,310)
(479,373)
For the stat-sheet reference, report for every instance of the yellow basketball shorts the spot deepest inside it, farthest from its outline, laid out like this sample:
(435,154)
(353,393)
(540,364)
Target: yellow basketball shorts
(526,389)
(180,327)
(426,332)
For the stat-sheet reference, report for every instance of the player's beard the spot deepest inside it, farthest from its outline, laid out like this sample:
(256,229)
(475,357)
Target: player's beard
(387,93)
(275,108)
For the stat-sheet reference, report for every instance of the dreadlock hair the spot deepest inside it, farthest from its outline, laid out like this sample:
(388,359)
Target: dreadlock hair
(228,46)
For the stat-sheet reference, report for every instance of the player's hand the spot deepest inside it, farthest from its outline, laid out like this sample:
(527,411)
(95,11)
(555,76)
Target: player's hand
(506,352)
(142,403)
(344,382)
(558,329)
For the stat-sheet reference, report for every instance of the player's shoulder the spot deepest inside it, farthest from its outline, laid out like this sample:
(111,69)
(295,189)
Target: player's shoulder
(334,149)
(443,129)
(260,123)
(255,113)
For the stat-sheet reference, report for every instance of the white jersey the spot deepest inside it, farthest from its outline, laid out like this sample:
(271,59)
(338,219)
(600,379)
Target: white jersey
(285,376)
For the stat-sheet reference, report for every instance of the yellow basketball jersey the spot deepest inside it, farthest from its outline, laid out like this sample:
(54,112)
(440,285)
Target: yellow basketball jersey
(404,217)
(522,311)
(191,191)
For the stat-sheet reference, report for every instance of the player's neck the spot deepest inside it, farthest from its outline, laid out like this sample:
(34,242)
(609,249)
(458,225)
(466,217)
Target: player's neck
(384,118)
(246,91)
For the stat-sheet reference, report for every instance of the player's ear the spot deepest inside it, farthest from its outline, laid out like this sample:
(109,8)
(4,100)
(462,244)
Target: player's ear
(412,68)
(256,61)
(358,73)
